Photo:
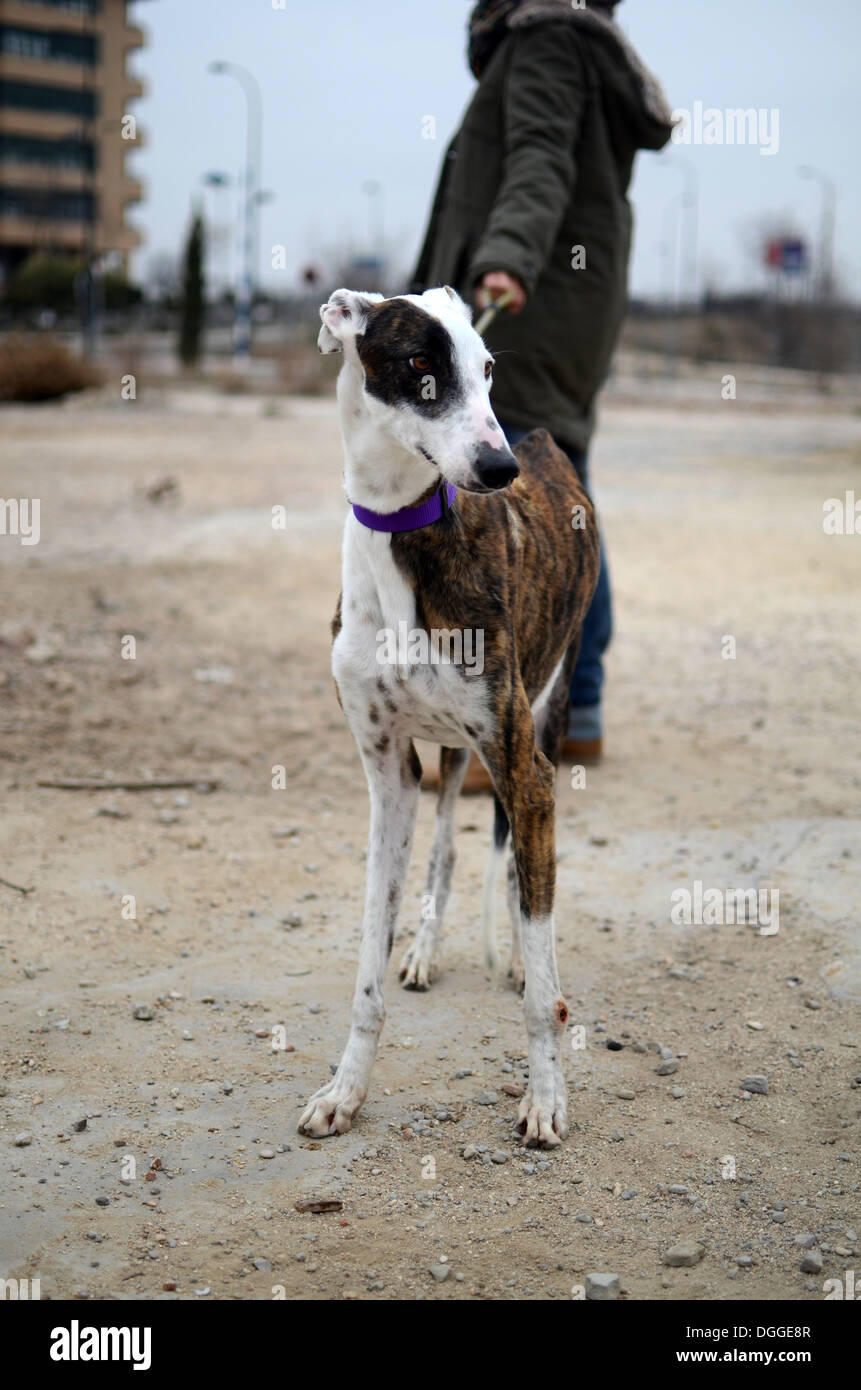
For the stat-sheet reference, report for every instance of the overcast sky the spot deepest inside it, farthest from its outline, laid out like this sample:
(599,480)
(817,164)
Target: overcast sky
(347,85)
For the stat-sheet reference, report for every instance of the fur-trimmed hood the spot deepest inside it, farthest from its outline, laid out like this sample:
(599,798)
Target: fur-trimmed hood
(627,73)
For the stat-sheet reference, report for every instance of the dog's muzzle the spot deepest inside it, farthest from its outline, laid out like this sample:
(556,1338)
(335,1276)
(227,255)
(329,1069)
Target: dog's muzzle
(495,468)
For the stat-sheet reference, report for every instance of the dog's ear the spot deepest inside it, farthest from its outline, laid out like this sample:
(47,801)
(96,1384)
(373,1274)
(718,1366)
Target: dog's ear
(458,303)
(344,315)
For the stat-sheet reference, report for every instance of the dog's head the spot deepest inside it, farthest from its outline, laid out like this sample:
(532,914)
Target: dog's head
(426,380)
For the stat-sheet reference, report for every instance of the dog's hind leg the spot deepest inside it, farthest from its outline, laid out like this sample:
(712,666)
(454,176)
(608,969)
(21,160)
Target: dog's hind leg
(516,973)
(418,966)
(394,773)
(491,878)
(551,722)
(524,778)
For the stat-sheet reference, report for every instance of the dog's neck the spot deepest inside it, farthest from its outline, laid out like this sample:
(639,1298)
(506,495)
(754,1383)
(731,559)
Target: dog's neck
(379,473)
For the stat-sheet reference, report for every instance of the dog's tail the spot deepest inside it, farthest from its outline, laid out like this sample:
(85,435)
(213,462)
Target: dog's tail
(488,916)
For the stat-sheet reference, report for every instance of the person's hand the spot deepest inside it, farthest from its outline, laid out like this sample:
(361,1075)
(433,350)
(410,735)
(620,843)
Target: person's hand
(494,284)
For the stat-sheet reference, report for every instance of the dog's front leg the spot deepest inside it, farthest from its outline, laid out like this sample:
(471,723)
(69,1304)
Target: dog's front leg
(394,773)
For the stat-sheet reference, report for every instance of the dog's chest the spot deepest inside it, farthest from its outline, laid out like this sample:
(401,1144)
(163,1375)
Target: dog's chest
(392,673)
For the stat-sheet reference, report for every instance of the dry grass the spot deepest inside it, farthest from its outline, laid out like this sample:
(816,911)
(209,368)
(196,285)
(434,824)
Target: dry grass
(36,368)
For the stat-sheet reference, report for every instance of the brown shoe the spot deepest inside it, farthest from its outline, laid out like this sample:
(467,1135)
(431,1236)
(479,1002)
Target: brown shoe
(582,750)
(476,781)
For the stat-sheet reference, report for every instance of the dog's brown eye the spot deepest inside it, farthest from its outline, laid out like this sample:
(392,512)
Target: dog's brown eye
(488,368)
(420,364)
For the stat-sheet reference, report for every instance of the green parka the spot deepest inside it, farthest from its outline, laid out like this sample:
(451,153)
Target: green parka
(539,168)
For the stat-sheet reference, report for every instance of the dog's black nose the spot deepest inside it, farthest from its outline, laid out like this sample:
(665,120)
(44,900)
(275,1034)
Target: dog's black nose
(495,468)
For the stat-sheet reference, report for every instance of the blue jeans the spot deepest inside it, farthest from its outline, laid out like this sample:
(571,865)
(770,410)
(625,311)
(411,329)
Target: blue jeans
(588,678)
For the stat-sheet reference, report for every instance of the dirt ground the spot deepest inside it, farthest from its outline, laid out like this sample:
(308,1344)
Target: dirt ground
(735,772)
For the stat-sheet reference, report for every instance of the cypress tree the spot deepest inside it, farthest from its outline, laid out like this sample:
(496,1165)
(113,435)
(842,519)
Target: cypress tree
(191,322)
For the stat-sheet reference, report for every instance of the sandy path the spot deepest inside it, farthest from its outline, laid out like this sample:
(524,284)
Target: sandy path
(738,773)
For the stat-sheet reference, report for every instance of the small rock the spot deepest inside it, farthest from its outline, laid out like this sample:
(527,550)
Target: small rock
(80,1125)
(667,1068)
(487,1098)
(144,1012)
(602,1288)
(440,1273)
(499,1156)
(812,1263)
(756,1084)
(22,1140)
(266,1153)
(263,1265)
(684,1254)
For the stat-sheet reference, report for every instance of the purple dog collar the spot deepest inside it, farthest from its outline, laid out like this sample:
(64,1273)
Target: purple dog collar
(408,518)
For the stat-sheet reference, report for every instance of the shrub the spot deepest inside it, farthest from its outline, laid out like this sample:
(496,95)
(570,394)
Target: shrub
(41,369)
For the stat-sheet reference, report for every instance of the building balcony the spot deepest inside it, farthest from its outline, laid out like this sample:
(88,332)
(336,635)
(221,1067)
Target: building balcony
(48,17)
(18,174)
(42,235)
(48,74)
(20,121)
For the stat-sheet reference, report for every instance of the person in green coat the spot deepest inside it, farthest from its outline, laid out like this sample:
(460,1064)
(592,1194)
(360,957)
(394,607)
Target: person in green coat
(532,199)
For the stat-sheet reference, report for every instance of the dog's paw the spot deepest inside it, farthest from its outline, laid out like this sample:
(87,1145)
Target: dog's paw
(516,974)
(417,970)
(331,1109)
(542,1119)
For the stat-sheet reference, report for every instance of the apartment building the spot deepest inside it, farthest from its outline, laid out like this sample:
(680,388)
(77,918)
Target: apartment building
(66,127)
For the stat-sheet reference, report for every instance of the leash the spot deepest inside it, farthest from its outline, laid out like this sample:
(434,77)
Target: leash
(491,311)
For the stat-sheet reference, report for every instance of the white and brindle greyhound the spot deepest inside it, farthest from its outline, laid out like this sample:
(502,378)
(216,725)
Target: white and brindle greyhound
(451,531)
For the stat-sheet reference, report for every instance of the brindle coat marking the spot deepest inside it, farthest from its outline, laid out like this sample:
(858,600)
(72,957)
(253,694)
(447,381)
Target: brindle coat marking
(493,565)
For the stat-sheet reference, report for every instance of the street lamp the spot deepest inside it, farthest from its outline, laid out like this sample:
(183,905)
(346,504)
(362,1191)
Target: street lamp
(250,220)
(373,191)
(691,201)
(220,182)
(826,236)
